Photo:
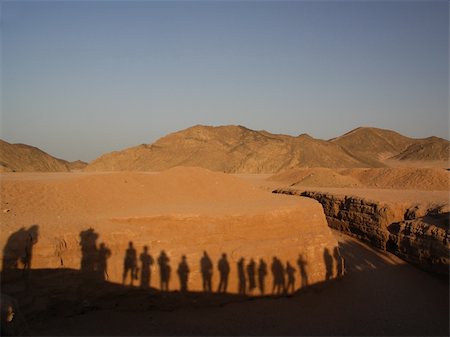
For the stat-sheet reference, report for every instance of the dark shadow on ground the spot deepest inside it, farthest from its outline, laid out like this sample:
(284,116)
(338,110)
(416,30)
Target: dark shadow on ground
(374,297)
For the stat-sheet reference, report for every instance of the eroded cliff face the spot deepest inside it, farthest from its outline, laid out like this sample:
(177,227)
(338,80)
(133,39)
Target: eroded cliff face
(288,237)
(417,234)
(187,218)
(423,242)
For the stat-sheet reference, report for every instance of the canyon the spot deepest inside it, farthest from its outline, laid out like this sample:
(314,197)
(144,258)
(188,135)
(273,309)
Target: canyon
(416,232)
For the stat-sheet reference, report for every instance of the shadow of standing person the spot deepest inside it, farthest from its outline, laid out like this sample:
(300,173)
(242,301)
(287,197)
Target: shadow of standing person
(262,272)
(14,249)
(206,267)
(104,253)
(18,251)
(164,271)
(130,264)
(339,261)
(328,259)
(301,263)
(224,270)
(89,252)
(251,271)
(183,274)
(278,277)
(241,277)
(290,271)
(146,263)
(31,240)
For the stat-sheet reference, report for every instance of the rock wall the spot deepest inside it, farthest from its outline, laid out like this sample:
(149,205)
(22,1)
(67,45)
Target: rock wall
(421,242)
(419,236)
(87,221)
(299,238)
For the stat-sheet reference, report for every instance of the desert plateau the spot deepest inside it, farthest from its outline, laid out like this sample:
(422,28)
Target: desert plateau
(265,248)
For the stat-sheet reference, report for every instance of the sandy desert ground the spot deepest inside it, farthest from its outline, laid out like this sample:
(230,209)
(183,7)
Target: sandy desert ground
(379,295)
(186,211)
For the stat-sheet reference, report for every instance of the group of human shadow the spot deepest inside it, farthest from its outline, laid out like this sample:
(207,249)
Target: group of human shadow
(18,249)
(94,260)
(251,276)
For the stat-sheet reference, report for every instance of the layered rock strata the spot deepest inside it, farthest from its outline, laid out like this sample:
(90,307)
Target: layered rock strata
(417,234)
(187,218)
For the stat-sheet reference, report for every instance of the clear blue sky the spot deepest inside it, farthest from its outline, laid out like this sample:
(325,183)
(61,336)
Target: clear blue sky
(81,78)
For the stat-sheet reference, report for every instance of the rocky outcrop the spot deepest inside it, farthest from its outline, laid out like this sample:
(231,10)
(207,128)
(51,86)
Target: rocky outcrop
(422,242)
(186,217)
(77,165)
(416,234)
(26,158)
(372,145)
(231,149)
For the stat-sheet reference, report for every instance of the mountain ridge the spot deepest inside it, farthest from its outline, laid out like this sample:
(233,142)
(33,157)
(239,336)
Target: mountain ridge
(27,158)
(238,149)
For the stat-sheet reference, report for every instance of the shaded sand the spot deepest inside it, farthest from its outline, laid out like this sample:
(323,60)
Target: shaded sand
(379,295)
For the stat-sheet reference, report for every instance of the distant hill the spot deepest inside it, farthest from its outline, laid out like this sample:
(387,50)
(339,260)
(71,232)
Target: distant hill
(237,149)
(25,158)
(77,165)
(432,148)
(231,149)
(373,145)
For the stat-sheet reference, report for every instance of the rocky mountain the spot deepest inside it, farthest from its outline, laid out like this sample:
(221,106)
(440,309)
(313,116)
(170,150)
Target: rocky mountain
(231,149)
(236,149)
(432,148)
(26,158)
(373,145)
(77,165)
